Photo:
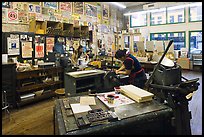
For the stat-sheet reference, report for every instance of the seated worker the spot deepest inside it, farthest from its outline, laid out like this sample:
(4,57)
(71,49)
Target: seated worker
(58,48)
(132,67)
(78,54)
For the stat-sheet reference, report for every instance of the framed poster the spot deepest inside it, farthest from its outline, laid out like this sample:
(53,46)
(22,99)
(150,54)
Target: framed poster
(53,5)
(91,10)
(6,4)
(20,6)
(78,7)
(39,46)
(31,8)
(4,15)
(65,6)
(12,16)
(23,17)
(105,12)
(26,49)
(13,45)
(38,9)
(50,42)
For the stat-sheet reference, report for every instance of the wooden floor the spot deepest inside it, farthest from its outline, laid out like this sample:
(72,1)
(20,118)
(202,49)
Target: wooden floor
(37,119)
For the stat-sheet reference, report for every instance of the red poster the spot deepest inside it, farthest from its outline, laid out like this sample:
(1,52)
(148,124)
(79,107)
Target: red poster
(49,44)
(39,50)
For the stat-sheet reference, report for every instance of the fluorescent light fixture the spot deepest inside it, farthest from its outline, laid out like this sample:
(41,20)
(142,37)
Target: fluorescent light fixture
(132,13)
(118,4)
(157,10)
(195,4)
(176,7)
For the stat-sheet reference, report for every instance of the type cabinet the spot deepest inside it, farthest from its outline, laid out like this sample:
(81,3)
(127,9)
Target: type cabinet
(37,84)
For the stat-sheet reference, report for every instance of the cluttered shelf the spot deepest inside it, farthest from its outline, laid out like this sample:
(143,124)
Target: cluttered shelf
(38,86)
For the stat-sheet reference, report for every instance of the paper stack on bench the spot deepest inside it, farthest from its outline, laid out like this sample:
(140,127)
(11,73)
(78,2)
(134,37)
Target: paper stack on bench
(136,93)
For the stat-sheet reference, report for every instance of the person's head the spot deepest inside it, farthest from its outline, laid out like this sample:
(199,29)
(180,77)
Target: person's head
(121,54)
(80,49)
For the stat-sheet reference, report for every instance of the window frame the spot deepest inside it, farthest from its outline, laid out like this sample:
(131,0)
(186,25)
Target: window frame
(189,17)
(137,26)
(184,21)
(189,38)
(155,22)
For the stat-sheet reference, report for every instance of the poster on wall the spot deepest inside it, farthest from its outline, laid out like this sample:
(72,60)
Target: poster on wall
(31,8)
(105,11)
(23,17)
(4,15)
(20,6)
(6,4)
(78,7)
(53,5)
(12,16)
(31,16)
(38,9)
(91,10)
(39,50)
(13,45)
(26,49)
(65,6)
(50,42)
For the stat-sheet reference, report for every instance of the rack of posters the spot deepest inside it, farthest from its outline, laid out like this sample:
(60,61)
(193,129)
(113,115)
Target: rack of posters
(91,10)
(78,8)
(39,46)
(13,44)
(50,42)
(26,45)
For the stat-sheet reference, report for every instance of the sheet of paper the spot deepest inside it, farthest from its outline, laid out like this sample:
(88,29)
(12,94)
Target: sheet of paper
(77,108)
(87,100)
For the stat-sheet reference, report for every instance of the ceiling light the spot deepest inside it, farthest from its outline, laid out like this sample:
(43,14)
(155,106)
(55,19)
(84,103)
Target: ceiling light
(118,4)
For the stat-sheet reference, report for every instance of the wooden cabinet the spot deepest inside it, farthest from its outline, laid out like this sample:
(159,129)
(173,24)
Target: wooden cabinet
(9,82)
(68,30)
(37,84)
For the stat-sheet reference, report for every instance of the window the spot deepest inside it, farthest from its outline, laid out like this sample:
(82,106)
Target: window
(139,19)
(171,19)
(174,12)
(178,38)
(195,42)
(196,13)
(158,17)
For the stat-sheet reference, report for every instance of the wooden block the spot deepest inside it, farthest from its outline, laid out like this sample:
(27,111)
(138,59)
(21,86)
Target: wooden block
(136,93)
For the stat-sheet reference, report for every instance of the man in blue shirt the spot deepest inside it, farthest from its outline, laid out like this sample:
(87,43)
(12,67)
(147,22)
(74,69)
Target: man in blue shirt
(58,48)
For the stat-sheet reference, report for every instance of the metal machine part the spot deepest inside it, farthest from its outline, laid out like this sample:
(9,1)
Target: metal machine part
(167,85)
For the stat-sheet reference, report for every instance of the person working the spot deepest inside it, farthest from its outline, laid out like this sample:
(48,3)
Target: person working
(58,48)
(132,67)
(78,54)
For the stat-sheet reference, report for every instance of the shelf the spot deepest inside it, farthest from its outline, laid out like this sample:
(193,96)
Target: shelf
(38,86)
(84,87)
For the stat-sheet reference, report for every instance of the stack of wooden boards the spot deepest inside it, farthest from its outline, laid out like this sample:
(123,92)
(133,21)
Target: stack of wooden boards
(136,93)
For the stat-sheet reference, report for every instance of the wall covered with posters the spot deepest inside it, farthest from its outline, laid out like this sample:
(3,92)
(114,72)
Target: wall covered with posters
(101,18)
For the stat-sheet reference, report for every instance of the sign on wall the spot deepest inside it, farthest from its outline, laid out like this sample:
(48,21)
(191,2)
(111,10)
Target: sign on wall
(65,6)
(105,12)
(12,16)
(13,45)
(6,4)
(26,49)
(50,42)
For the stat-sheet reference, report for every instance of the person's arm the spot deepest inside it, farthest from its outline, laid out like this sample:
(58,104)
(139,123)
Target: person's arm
(121,68)
(125,72)
(126,68)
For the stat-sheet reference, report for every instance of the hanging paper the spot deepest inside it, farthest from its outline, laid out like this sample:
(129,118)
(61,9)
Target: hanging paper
(49,44)
(26,49)
(12,16)
(66,6)
(23,17)
(38,9)
(105,12)
(53,5)
(31,8)
(39,50)
(13,45)
(91,10)
(78,8)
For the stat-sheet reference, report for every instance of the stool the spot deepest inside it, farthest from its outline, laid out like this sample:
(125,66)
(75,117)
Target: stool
(60,92)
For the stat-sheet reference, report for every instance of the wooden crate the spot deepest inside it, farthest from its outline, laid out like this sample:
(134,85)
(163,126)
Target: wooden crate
(37,27)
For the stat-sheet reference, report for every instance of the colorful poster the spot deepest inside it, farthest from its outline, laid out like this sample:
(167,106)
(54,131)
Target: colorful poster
(66,14)
(38,9)
(66,6)
(53,5)
(12,16)
(13,45)
(23,17)
(78,8)
(31,8)
(6,4)
(31,16)
(91,10)
(39,50)
(105,11)
(4,15)
(50,42)
(26,49)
